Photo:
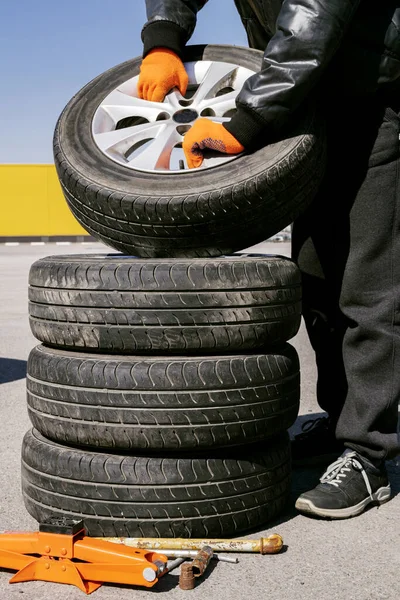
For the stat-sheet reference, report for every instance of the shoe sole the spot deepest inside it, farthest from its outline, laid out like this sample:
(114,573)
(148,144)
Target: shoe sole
(308,508)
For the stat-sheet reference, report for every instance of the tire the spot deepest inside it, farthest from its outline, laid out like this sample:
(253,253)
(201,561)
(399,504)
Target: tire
(187,214)
(160,403)
(121,304)
(169,496)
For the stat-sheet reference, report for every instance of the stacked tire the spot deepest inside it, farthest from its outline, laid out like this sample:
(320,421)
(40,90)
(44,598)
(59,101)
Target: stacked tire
(162,392)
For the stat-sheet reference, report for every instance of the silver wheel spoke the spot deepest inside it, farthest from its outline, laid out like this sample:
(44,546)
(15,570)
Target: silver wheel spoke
(218,119)
(119,105)
(221,104)
(217,76)
(123,139)
(173,101)
(156,155)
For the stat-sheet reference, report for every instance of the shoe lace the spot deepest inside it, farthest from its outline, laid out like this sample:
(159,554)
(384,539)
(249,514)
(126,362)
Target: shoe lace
(338,470)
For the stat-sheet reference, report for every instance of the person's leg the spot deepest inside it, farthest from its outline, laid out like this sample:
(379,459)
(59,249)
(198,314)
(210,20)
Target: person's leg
(312,243)
(363,277)
(370,301)
(346,247)
(312,249)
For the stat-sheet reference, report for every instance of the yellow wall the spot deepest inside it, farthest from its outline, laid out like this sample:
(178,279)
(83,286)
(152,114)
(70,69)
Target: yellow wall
(32,203)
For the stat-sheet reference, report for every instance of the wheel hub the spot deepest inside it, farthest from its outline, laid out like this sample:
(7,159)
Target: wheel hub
(185,116)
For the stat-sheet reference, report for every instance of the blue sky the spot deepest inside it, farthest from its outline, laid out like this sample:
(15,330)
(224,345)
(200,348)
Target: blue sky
(50,49)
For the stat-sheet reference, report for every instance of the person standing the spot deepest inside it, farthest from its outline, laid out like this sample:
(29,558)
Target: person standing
(346,54)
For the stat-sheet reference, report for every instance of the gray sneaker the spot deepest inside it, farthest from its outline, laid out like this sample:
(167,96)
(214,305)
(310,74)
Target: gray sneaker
(346,488)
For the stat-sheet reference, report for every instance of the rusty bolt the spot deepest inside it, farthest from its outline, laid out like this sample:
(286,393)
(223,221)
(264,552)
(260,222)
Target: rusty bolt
(186,578)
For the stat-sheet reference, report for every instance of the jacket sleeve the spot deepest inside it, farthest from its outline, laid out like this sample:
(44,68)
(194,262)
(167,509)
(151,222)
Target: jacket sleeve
(170,24)
(308,34)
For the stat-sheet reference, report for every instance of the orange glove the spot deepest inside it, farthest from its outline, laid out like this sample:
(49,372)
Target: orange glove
(161,70)
(207,134)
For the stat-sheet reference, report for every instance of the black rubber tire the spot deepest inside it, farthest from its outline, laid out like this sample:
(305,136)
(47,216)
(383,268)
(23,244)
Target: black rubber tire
(165,496)
(202,213)
(161,403)
(122,304)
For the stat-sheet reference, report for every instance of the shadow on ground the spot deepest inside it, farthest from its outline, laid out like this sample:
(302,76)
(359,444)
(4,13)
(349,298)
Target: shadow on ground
(12,369)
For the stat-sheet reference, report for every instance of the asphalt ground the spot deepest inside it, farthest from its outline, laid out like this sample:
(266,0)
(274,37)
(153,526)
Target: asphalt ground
(354,559)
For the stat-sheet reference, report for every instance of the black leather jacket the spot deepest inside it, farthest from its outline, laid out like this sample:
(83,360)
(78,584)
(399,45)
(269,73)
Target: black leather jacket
(346,47)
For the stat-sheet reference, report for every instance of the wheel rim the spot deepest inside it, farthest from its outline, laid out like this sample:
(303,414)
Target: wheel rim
(147,136)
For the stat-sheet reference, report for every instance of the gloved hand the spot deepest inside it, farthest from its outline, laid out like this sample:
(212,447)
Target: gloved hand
(207,134)
(161,70)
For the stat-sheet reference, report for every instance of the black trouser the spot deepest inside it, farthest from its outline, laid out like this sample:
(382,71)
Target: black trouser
(348,248)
